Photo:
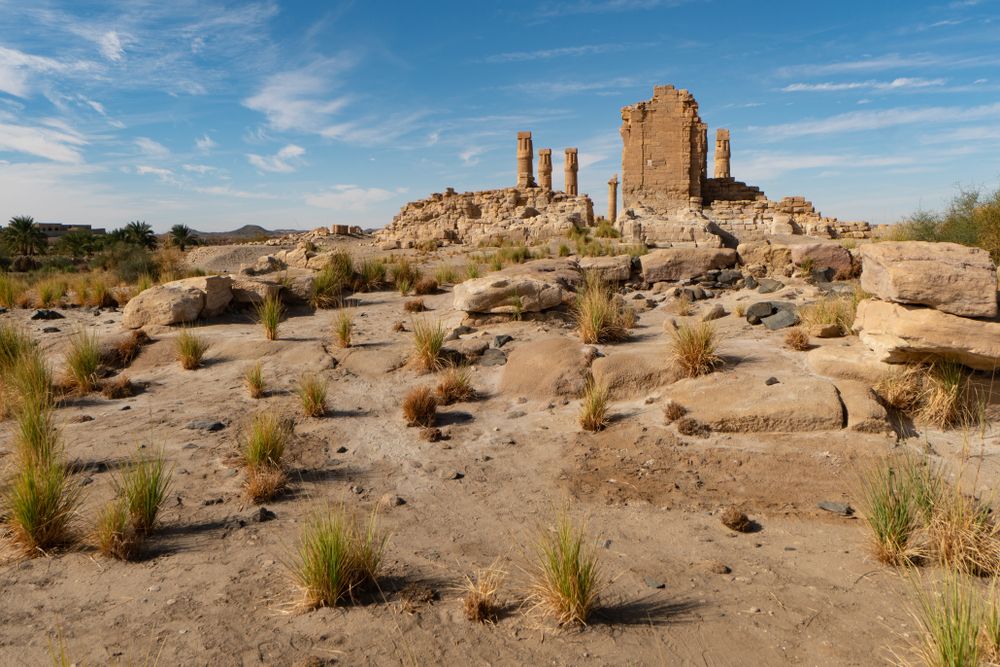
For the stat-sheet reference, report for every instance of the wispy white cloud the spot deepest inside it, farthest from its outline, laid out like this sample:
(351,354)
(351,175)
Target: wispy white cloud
(165,175)
(899,83)
(151,147)
(557,9)
(205,143)
(559,88)
(226,191)
(199,168)
(759,166)
(888,62)
(470,156)
(17,69)
(54,141)
(351,197)
(301,99)
(565,52)
(859,121)
(372,131)
(111,46)
(284,161)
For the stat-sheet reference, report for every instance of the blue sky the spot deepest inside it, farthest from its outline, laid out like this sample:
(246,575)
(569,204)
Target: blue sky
(297,114)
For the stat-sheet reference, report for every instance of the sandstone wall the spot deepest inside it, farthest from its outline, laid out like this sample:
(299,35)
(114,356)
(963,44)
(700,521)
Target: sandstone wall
(526,215)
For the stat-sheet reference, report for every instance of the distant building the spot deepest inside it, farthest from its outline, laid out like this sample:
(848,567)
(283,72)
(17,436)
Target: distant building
(53,230)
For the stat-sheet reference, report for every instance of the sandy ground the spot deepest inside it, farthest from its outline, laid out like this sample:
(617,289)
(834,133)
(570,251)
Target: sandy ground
(213,586)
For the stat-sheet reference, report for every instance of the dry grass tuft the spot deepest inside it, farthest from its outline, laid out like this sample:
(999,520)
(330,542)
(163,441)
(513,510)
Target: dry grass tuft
(117,387)
(253,377)
(428,341)
(190,348)
(694,349)
(342,326)
(270,312)
(692,427)
(682,306)
(594,407)
(42,502)
(481,602)
(264,445)
(414,306)
(113,533)
(797,339)
(672,411)
(733,519)
(128,348)
(143,488)
(962,533)
(601,316)
(420,407)
(455,385)
(888,499)
(312,393)
(83,360)
(940,394)
(425,286)
(568,579)
(831,310)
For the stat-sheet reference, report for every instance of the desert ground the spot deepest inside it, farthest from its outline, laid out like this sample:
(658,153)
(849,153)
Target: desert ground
(213,586)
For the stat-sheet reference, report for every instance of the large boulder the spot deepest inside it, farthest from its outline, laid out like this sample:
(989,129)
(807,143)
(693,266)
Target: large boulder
(547,368)
(218,292)
(898,334)
(824,255)
(682,263)
(529,288)
(609,269)
(950,277)
(164,304)
(745,402)
(247,290)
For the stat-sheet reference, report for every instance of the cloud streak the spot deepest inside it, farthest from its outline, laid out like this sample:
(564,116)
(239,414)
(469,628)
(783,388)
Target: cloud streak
(284,161)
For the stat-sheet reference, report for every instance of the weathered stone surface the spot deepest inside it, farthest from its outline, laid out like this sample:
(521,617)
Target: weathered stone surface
(952,278)
(610,269)
(714,313)
(547,368)
(252,291)
(631,374)
(170,303)
(530,287)
(298,285)
(781,319)
(898,333)
(683,263)
(848,363)
(864,412)
(824,255)
(218,292)
(726,402)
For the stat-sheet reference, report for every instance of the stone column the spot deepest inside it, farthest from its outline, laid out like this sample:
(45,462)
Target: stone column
(525,156)
(570,168)
(545,168)
(613,198)
(722,154)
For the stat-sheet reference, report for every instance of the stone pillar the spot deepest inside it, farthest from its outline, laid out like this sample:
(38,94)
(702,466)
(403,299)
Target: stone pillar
(722,154)
(570,167)
(525,156)
(545,168)
(613,198)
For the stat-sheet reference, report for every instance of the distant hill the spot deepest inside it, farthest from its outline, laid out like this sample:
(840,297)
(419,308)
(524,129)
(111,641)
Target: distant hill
(245,232)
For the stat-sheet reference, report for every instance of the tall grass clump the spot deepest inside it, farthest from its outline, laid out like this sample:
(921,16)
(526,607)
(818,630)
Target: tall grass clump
(962,533)
(331,283)
(190,349)
(42,503)
(342,326)
(405,275)
(113,533)
(51,291)
(428,341)
(600,317)
(568,578)
(455,385)
(371,274)
(144,488)
(83,360)
(694,349)
(888,496)
(312,394)
(950,617)
(11,290)
(420,407)
(263,454)
(270,312)
(594,407)
(836,311)
(940,394)
(17,346)
(481,601)
(338,556)
(253,377)
(447,275)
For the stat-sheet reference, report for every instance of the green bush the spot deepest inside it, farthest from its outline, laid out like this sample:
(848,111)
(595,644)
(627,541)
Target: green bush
(972,218)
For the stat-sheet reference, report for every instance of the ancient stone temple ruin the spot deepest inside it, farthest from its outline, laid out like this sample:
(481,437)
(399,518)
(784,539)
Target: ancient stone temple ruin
(668,197)
(527,212)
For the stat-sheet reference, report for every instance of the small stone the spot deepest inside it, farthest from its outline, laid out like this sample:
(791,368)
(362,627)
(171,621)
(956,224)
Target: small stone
(211,501)
(206,425)
(263,514)
(769,285)
(51,330)
(780,320)
(734,519)
(390,500)
(492,357)
(837,508)
(771,381)
(515,414)
(358,490)
(716,567)
(501,340)
(714,313)
(190,445)
(451,474)
(126,407)
(80,419)
(654,583)
(341,450)
(46,314)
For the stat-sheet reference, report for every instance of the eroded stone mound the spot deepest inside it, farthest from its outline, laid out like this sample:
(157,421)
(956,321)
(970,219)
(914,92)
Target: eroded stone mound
(520,288)
(672,264)
(179,302)
(548,368)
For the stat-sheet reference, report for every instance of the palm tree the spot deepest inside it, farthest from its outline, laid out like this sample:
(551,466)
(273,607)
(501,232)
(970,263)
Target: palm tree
(23,236)
(181,236)
(77,243)
(140,233)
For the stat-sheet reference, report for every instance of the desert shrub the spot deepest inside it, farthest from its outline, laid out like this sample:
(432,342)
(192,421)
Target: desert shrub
(515,254)
(972,218)
(606,230)
(127,349)
(337,557)
(428,341)
(734,519)
(143,488)
(420,407)
(940,394)
(414,306)
(681,305)
(446,275)
(312,393)
(118,387)
(270,312)
(481,601)
(36,439)
(600,316)
(568,578)
(830,310)
(253,377)
(594,407)
(889,509)
(564,250)
(472,271)
(190,349)
(951,622)
(330,285)
(371,274)
(797,339)
(264,444)
(51,291)
(693,349)
(404,275)
(11,290)
(455,385)
(342,326)
(42,503)
(83,360)
(962,533)
(495,262)
(672,411)
(113,533)
(425,286)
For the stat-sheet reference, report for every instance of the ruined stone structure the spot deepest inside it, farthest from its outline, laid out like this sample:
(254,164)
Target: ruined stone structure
(669,199)
(525,156)
(545,168)
(613,198)
(527,213)
(570,168)
(722,154)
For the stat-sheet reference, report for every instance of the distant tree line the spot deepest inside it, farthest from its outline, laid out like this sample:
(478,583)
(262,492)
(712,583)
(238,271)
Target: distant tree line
(971,218)
(22,236)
